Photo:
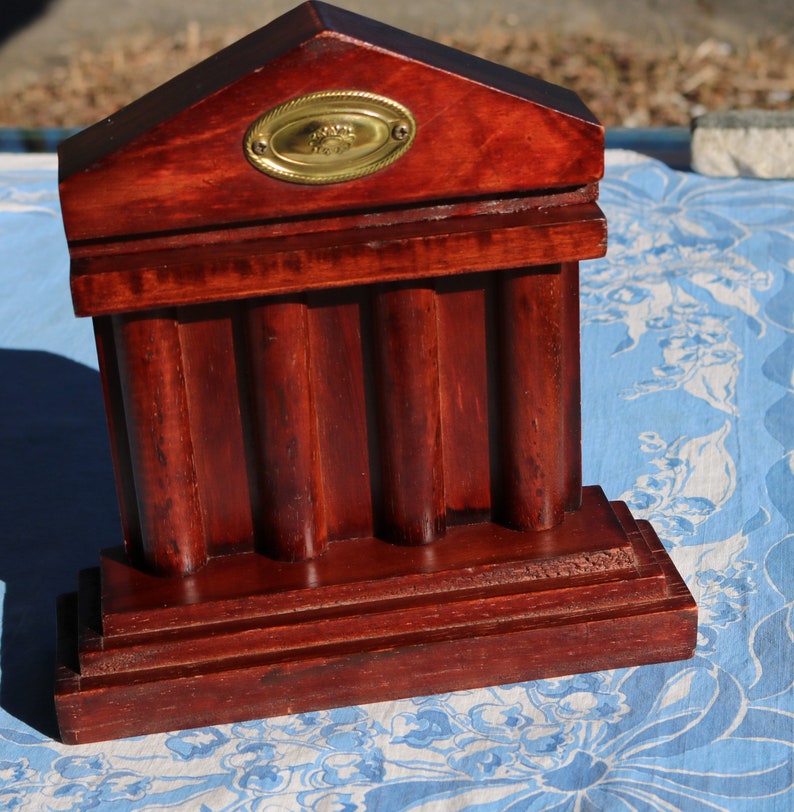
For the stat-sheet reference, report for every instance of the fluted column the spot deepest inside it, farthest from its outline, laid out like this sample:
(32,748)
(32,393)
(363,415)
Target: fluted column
(291,509)
(572,387)
(161,452)
(409,413)
(531,388)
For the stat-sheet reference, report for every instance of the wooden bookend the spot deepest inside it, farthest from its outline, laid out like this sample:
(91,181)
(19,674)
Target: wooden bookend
(333,273)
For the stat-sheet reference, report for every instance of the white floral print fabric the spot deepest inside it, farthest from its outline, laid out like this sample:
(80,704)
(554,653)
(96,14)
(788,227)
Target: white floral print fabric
(688,415)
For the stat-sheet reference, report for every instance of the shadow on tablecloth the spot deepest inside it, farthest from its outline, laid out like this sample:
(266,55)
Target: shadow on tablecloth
(57,510)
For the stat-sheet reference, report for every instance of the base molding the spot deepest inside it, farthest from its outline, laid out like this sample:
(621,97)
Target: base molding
(247,637)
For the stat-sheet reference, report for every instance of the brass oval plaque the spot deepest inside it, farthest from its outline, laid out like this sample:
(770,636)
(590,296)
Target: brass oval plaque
(329,137)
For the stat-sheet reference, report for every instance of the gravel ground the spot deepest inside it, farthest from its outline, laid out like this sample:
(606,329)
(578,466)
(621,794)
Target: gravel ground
(626,79)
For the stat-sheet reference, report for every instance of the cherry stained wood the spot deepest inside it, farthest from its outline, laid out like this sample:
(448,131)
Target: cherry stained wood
(214,240)
(161,450)
(209,341)
(571,385)
(469,414)
(661,632)
(291,506)
(595,539)
(174,161)
(108,283)
(533,428)
(340,323)
(119,439)
(412,502)
(619,604)
(300,401)
(344,419)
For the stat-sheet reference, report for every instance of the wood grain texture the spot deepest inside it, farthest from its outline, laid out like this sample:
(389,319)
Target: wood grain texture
(291,507)
(564,615)
(482,130)
(661,632)
(571,385)
(214,381)
(161,449)
(533,429)
(119,439)
(358,408)
(108,283)
(469,415)
(135,601)
(412,500)
(341,369)
(345,419)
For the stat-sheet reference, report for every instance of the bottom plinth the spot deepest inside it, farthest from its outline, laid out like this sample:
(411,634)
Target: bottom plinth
(248,637)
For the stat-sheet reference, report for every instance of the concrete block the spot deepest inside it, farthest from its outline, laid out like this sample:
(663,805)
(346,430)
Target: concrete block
(746,143)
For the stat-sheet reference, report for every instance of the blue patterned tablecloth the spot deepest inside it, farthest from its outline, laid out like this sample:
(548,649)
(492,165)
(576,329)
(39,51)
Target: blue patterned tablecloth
(688,404)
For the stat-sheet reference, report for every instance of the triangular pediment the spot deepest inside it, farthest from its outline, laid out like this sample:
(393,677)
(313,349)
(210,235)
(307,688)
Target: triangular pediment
(174,161)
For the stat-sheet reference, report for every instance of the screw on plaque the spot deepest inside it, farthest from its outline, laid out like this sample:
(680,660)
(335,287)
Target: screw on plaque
(401,131)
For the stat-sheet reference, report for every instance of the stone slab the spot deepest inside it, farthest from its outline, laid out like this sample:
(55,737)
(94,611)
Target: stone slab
(748,144)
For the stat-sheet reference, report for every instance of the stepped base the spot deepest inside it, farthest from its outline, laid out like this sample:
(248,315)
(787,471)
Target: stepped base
(248,637)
